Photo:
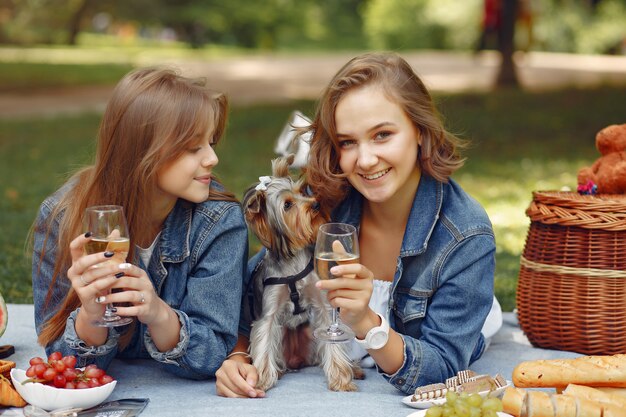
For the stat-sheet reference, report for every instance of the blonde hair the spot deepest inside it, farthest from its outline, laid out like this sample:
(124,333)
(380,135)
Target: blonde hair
(153,116)
(438,155)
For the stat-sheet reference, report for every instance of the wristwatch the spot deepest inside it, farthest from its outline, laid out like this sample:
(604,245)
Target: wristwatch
(377,337)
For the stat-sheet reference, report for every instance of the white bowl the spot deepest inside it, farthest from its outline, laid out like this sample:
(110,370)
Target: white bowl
(50,398)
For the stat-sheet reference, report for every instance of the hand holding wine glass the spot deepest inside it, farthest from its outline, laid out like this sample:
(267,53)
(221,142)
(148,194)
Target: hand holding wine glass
(109,233)
(337,244)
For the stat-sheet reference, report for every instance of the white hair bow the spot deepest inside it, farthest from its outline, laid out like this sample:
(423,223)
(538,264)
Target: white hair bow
(264,182)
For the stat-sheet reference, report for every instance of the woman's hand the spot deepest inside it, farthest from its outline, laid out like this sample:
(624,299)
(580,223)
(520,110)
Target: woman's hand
(237,379)
(89,282)
(139,295)
(351,292)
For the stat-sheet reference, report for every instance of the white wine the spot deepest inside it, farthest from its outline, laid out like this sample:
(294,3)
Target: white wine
(326,260)
(119,247)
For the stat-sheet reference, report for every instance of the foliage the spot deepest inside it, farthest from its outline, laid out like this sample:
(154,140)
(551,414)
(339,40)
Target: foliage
(573,27)
(422,23)
(559,25)
(520,142)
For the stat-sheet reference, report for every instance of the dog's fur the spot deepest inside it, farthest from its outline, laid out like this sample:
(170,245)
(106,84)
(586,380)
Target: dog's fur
(286,220)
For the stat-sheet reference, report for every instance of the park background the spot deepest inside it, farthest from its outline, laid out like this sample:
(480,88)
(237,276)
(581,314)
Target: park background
(529,102)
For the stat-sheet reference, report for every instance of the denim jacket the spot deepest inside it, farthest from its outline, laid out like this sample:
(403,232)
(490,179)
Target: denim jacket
(442,289)
(197,267)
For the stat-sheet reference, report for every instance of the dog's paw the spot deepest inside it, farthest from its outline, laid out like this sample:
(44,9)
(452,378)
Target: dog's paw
(339,385)
(358,372)
(267,378)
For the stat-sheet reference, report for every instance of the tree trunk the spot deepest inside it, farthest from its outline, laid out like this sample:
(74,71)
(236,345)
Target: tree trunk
(73,27)
(507,76)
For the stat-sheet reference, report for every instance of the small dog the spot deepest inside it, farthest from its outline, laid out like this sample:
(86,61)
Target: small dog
(285,219)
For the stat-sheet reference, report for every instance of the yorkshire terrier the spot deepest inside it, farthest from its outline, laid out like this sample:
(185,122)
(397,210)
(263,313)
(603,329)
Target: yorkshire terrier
(285,218)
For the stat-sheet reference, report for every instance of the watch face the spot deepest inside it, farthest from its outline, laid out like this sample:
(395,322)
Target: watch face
(378,339)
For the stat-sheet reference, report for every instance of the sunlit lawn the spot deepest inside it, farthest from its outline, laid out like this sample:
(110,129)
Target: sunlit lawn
(520,143)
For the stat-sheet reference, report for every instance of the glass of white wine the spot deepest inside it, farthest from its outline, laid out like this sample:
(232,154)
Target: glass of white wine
(337,244)
(109,232)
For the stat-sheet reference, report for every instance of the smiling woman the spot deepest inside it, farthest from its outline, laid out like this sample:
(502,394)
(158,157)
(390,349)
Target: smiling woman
(381,158)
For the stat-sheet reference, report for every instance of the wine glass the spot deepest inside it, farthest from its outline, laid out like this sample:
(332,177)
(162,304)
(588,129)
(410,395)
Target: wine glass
(109,232)
(337,244)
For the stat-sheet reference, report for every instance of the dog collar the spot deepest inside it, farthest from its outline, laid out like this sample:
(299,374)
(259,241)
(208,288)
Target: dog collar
(291,282)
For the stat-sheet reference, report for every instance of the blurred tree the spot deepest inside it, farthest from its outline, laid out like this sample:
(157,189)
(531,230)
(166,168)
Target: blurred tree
(507,75)
(75,22)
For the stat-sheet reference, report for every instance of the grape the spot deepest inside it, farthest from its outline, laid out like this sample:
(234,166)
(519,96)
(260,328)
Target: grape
(59,381)
(93,372)
(49,374)
(61,372)
(475,400)
(35,360)
(434,412)
(465,405)
(105,379)
(59,366)
(40,368)
(69,361)
(451,397)
(492,404)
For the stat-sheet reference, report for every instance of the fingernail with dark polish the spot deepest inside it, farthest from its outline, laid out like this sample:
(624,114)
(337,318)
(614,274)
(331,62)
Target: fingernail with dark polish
(119,275)
(88,234)
(113,309)
(109,254)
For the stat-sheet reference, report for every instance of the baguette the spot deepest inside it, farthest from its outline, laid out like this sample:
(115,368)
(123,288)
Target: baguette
(564,405)
(612,411)
(596,395)
(599,371)
(537,404)
(512,401)
(586,408)
(610,390)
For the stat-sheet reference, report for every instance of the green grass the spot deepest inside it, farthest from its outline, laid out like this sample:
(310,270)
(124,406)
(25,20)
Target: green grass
(520,142)
(25,76)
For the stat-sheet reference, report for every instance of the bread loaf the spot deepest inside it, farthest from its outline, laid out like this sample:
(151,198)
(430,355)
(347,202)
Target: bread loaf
(612,411)
(512,400)
(586,408)
(610,390)
(564,405)
(537,404)
(599,371)
(596,395)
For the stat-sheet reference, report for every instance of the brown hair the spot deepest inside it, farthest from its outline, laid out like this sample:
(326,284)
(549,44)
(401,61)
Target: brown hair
(153,116)
(438,154)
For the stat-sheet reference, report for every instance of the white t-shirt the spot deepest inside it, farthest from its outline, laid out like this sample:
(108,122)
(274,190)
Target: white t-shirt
(146,253)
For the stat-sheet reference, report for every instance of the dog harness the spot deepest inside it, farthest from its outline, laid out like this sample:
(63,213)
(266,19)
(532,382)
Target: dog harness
(291,282)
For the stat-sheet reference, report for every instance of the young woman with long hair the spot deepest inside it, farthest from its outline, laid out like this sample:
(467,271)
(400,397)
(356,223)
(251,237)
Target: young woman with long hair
(419,299)
(188,239)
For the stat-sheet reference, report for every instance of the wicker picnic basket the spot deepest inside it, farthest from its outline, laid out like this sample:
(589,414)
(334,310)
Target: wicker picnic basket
(571,292)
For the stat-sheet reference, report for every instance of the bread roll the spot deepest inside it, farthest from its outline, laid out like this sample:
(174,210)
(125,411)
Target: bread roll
(512,401)
(537,404)
(564,405)
(596,395)
(586,408)
(599,371)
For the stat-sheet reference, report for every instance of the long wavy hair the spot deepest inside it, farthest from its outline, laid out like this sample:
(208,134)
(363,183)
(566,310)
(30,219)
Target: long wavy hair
(438,153)
(153,116)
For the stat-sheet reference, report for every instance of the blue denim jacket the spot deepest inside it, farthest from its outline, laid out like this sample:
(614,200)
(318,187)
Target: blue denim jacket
(442,289)
(197,267)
